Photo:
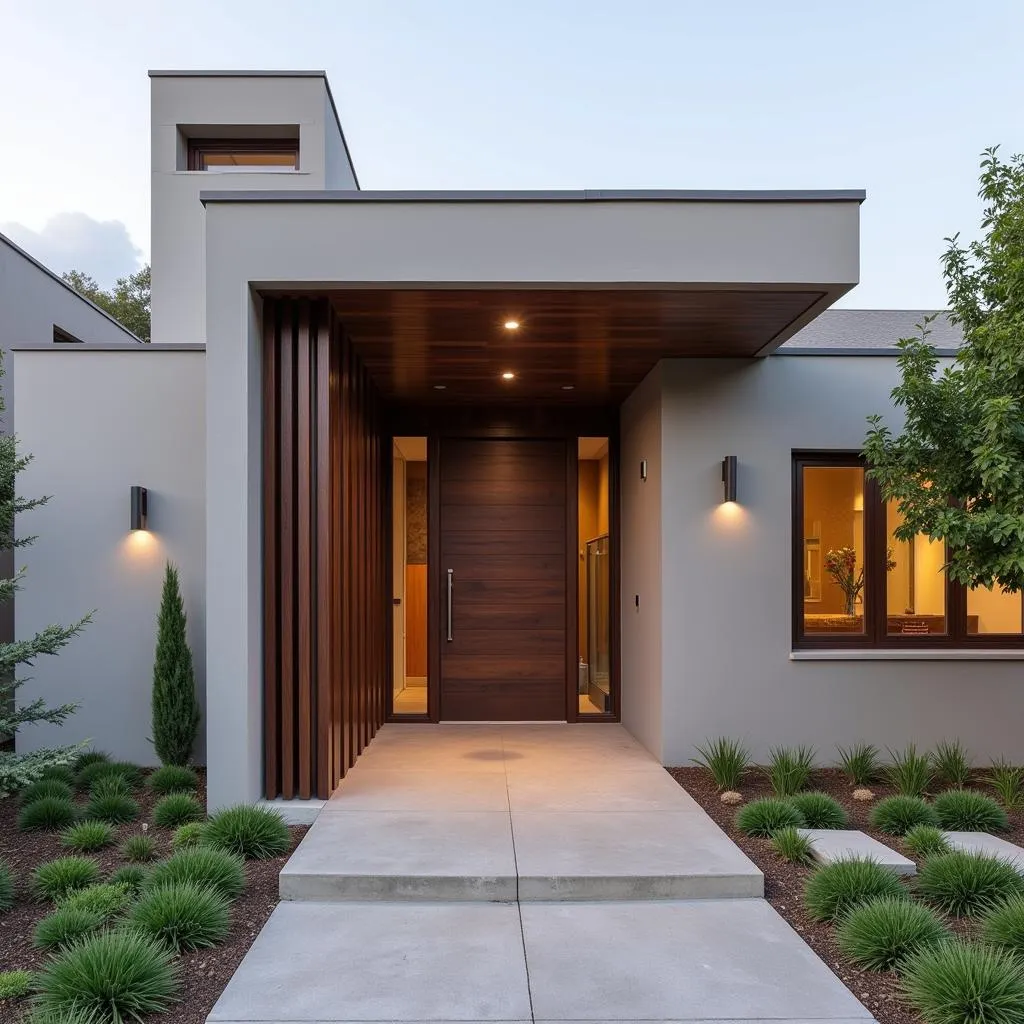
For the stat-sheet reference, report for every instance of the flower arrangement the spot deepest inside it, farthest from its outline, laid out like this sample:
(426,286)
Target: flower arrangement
(841,565)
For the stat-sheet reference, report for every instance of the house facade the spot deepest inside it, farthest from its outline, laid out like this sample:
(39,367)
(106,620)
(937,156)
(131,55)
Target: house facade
(471,456)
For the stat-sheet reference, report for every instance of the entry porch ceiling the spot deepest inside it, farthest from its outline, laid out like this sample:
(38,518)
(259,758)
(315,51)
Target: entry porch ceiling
(573,345)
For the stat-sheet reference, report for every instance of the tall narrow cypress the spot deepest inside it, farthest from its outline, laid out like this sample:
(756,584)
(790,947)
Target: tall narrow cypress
(175,707)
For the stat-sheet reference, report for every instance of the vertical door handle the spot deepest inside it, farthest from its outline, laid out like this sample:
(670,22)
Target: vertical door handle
(451,573)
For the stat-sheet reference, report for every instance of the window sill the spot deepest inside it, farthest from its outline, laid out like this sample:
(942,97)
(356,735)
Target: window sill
(891,654)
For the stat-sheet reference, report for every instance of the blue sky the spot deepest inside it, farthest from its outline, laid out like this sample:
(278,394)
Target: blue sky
(897,98)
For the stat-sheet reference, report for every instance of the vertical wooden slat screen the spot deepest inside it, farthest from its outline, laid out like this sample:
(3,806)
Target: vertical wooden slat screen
(325,496)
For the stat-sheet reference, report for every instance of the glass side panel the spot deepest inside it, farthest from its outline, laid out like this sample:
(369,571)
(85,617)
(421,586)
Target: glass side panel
(915,585)
(594,578)
(248,161)
(994,612)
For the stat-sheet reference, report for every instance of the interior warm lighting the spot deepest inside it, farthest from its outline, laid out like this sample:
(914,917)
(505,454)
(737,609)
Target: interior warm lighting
(511,325)
(568,387)
(440,387)
(508,375)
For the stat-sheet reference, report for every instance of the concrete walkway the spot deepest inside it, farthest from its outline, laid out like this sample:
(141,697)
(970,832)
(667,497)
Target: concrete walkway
(523,873)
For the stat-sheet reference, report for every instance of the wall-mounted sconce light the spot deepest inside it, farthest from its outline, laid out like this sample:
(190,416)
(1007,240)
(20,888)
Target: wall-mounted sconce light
(643,469)
(729,477)
(139,507)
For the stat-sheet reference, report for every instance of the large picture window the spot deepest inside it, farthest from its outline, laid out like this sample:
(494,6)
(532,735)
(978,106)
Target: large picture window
(856,585)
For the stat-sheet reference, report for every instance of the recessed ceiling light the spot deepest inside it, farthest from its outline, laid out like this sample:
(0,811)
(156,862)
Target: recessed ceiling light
(440,387)
(568,387)
(511,325)
(508,375)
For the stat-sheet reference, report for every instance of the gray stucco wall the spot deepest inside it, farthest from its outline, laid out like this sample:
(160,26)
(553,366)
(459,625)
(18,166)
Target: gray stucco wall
(98,422)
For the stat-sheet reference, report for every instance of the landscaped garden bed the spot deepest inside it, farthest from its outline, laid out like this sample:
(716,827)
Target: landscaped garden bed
(201,973)
(786,882)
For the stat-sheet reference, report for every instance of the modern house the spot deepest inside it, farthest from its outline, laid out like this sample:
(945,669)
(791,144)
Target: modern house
(579,456)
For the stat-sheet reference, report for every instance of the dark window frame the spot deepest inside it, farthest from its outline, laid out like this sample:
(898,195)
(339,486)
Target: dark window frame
(876,635)
(198,148)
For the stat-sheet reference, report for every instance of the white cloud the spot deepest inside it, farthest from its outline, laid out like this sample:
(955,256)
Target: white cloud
(74,241)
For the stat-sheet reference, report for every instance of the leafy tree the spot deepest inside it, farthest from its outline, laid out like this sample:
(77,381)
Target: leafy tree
(957,469)
(175,707)
(127,302)
(18,770)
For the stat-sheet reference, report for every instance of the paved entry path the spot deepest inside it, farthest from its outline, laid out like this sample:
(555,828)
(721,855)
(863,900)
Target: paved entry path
(523,873)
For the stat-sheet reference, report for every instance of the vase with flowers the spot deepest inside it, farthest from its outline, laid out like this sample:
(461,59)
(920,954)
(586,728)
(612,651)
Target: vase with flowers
(841,565)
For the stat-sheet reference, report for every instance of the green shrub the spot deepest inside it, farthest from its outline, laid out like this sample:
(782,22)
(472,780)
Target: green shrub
(189,834)
(103,898)
(835,889)
(46,788)
(111,784)
(183,915)
(89,757)
(820,810)
(173,778)
(860,763)
(131,878)
(59,773)
(119,974)
(91,771)
(789,769)
(726,759)
(1002,923)
(910,772)
(87,836)
(129,773)
(966,810)
(57,878)
(15,984)
(176,809)
(963,883)
(117,808)
(897,815)
(255,833)
(139,849)
(883,932)
(764,817)
(926,841)
(50,812)
(6,887)
(951,763)
(1008,782)
(792,845)
(64,926)
(217,869)
(964,983)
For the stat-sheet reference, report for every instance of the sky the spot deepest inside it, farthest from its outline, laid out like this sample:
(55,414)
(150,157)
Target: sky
(896,97)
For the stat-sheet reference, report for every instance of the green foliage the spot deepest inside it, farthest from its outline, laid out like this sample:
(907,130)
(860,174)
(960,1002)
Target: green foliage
(60,773)
(726,759)
(6,887)
(910,773)
(883,932)
(117,808)
(819,810)
(1002,923)
(1008,782)
(835,889)
(189,834)
(860,763)
(131,877)
(130,774)
(184,915)
(50,812)
(957,982)
(108,775)
(175,705)
(128,302)
(103,898)
(109,785)
(966,810)
(765,817)
(957,469)
(926,841)
(15,984)
(202,865)
(789,768)
(119,974)
(90,772)
(64,926)
(46,787)
(57,878)
(951,763)
(255,833)
(66,1016)
(176,809)
(792,845)
(964,883)
(897,815)
(173,778)
(139,849)
(88,757)
(87,836)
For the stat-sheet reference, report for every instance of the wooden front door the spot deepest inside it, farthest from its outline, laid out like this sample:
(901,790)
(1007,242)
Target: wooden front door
(503,544)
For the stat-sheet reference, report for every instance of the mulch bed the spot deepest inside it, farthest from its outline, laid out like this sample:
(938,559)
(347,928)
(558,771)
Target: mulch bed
(203,974)
(784,882)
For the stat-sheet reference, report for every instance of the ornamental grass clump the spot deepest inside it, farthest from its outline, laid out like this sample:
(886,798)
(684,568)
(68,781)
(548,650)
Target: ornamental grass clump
(254,833)
(116,808)
(951,763)
(966,810)
(910,773)
(1002,923)
(957,982)
(184,915)
(46,788)
(765,817)
(109,785)
(59,773)
(49,812)
(121,975)
(6,887)
(880,934)
(789,769)
(87,836)
(129,774)
(173,778)
(820,810)
(1008,782)
(216,869)
(964,884)
(64,926)
(190,834)
(131,878)
(926,841)
(897,815)
(793,846)
(139,849)
(176,809)
(57,878)
(835,889)
(726,759)
(103,898)
(860,763)
(88,757)
(15,984)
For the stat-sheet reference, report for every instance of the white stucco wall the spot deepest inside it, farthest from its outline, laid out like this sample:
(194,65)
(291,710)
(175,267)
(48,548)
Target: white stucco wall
(98,421)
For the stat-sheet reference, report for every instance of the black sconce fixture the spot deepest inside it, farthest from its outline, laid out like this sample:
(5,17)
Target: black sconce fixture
(729,477)
(139,510)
